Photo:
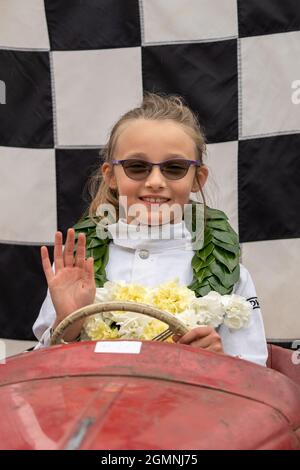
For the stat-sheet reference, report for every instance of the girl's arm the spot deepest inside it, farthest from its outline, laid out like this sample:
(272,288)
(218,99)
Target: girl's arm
(247,343)
(44,322)
(71,284)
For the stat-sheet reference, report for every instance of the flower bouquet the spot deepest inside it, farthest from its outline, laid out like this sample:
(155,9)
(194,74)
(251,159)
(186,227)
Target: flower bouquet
(213,309)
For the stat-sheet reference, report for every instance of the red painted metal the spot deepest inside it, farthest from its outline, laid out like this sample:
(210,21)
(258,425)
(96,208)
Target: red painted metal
(166,397)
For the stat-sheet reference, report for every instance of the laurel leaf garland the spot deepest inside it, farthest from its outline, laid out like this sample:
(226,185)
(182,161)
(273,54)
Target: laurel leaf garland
(215,265)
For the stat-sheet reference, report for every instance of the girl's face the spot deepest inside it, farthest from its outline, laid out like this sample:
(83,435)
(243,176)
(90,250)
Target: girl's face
(154,141)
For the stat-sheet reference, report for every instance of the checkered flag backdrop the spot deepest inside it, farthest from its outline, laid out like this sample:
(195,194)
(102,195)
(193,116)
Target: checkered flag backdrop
(69,69)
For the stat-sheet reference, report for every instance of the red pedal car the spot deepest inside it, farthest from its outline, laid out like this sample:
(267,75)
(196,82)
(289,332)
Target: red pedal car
(165,396)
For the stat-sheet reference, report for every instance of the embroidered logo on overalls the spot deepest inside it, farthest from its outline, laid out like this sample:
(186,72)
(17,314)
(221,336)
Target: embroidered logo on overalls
(254,302)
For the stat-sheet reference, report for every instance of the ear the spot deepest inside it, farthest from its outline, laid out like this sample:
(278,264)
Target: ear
(108,175)
(202,176)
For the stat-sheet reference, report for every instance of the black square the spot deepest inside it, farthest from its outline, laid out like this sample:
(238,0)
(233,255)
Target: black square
(26,120)
(268,188)
(23,289)
(93,24)
(259,17)
(74,167)
(205,75)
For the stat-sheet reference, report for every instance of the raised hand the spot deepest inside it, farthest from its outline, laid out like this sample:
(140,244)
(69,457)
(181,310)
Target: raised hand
(72,284)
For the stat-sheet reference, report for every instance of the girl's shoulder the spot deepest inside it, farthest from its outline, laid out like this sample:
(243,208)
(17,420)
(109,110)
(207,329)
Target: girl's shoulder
(245,285)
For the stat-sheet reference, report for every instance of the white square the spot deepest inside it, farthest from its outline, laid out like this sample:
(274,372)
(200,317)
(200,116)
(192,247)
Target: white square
(275,269)
(269,67)
(92,90)
(119,347)
(221,188)
(23,24)
(28,194)
(189,20)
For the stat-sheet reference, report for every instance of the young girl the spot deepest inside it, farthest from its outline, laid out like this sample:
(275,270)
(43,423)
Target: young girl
(153,160)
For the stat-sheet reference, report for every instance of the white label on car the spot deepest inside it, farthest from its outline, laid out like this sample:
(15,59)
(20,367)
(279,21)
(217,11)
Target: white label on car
(121,347)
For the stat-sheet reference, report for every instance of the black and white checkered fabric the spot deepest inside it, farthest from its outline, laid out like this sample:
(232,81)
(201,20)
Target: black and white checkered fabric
(69,69)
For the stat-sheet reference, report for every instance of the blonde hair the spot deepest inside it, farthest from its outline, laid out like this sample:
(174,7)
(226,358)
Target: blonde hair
(154,107)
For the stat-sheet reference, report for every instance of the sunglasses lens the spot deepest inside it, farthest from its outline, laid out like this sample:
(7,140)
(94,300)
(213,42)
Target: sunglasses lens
(174,170)
(136,169)
(139,169)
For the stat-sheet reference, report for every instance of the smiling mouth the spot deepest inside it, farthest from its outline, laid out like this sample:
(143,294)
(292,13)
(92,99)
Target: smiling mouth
(154,200)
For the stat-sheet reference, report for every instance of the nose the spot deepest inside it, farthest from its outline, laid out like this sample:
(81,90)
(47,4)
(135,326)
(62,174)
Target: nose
(155,179)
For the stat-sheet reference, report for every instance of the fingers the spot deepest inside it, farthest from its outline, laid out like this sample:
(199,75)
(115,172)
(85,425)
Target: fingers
(65,258)
(80,251)
(204,337)
(58,256)
(195,334)
(46,264)
(204,343)
(89,270)
(69,248)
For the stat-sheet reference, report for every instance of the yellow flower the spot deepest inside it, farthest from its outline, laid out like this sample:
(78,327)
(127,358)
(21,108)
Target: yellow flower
(131,292)
(172,297)
(154,328)
(97,329)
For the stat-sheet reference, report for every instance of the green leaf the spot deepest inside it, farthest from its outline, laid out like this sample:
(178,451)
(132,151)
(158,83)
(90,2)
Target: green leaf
(203,273)
(221,272)
(98,252)
(215,285)
(91,232)
(100,279)
(106,256)
(193,211)
(205,252)
(97,264)
(236,274)
(226,278)
(196,263)
(225,257)
(215,214)
(204,290)
(208,261)
(200,264)
(95,242)
(99,276)
(207,238)
(218,224)
(228,247)
(225,237)
(84,223)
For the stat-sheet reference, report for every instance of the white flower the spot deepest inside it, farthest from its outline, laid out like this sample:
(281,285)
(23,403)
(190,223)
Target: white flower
(237,311)
(209,309)
(133,327)
(188,317)
(109,291)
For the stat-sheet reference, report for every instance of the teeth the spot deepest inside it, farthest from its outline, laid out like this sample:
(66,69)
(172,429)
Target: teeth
(152,199)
